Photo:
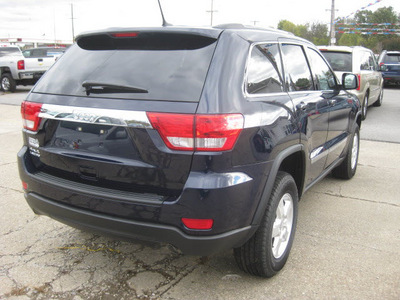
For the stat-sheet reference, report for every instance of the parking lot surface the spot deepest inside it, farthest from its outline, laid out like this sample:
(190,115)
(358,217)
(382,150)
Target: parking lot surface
(347,244)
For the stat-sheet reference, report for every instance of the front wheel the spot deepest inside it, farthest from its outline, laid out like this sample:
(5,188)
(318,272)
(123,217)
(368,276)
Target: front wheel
(8,84)
(348,167)
(267,251)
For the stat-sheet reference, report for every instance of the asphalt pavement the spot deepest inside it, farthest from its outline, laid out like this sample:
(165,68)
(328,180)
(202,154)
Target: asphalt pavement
(347,244)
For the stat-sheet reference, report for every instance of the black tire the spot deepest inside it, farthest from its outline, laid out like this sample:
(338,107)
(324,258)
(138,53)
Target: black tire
(260,255)
(8,84)
(348,167)
(378,102)
(364,109)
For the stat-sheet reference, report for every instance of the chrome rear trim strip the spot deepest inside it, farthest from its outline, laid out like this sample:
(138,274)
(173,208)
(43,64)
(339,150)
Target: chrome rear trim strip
(125,118)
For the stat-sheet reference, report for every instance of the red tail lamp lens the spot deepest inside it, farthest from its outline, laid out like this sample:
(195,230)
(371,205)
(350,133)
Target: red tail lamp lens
(359,82)
(30,115)
(199,224)
(197,132)
(217,132)
(21,65)
(176,130)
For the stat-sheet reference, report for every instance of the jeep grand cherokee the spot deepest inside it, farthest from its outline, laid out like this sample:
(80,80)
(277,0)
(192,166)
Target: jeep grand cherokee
(204,138)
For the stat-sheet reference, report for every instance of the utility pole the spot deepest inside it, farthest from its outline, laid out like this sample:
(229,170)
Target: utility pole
(332,40)
(54,25)
(72,21)
(255,22)
(212,11)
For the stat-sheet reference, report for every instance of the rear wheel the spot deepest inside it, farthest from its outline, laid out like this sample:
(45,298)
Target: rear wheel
(348,167)
(8,84)
(380,99)
(267,251)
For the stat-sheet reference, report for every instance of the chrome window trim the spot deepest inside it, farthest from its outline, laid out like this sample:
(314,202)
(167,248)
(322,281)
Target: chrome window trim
(245,93)
(114,117)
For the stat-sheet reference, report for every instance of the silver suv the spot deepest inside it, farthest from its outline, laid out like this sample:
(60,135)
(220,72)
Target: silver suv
(360,61)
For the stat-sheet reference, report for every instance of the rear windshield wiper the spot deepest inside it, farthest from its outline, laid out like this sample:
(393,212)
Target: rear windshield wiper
(106,88)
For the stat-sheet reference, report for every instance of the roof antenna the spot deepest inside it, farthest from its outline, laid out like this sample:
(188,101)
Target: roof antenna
(164,23)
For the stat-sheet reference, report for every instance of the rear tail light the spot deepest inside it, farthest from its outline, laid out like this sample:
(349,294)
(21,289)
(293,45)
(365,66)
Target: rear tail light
(30,115)
(197,132)
(359,82)
(198,224)
(21,65)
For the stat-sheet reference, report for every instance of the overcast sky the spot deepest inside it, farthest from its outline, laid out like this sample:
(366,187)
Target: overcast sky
(52,18)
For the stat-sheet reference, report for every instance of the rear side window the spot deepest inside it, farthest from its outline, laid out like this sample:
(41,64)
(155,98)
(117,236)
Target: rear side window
(339,61)
(156,66)
(365,61)
(298,76)
(264,70)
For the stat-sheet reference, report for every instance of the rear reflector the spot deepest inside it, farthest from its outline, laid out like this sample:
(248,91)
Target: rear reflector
(199,224)
(24,185)
(21,65)
(30,115)
(197,132)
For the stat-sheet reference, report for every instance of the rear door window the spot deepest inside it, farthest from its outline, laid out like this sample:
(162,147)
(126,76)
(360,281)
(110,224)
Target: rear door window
(156,67)
(264,70)
(297,72)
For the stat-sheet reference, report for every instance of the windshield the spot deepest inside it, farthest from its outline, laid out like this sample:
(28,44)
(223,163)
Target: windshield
(165,74)
(339,61)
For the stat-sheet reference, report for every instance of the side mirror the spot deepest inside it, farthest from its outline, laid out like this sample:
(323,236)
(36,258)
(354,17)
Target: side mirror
(349,81)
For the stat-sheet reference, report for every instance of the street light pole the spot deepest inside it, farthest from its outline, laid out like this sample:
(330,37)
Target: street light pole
(332,35)
(72,21)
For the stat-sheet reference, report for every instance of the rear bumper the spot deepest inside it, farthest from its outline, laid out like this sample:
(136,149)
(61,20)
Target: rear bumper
(391,78)
(87,220)
(228,202)
(30,75)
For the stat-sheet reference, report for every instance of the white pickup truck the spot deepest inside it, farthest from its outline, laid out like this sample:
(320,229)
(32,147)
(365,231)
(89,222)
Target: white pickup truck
(16,69)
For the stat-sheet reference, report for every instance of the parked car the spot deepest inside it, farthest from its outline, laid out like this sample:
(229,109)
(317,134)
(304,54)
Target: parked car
(202,138)
(360,61)
(15,69)
(55,52)
(389,62)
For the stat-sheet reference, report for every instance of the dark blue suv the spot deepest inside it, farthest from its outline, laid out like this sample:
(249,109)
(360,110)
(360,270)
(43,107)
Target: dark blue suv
(204,138)
(389,62)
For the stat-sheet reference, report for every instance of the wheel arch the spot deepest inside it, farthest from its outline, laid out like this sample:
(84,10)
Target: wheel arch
(290,160)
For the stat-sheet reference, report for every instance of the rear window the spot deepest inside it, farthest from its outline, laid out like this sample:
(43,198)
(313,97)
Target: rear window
(154,66)
(392,58)
(9,51)
(339,61)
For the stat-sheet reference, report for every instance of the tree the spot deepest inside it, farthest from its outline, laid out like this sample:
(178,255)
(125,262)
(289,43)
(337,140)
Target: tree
(384,15)
(287,26)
